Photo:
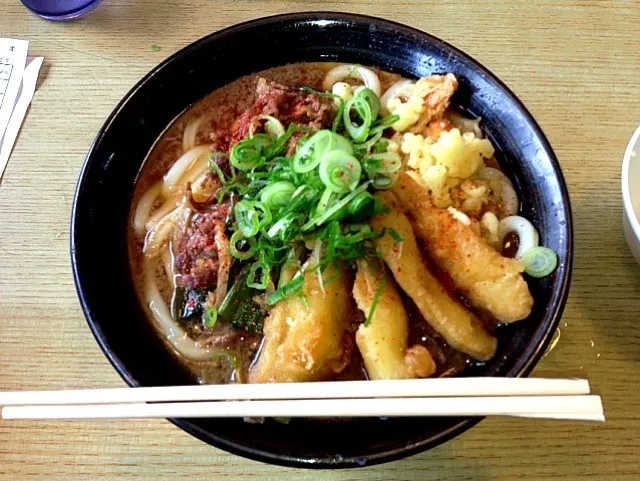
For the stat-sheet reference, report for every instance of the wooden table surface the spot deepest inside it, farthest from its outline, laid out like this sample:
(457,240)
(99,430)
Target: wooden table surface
(576,65)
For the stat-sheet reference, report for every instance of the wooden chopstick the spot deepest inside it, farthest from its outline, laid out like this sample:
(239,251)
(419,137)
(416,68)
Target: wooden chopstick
(446,387)
(575,407)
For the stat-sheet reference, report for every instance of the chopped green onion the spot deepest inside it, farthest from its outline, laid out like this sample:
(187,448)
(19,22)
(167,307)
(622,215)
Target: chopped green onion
(236,237)
(339,171)
(334,208)
(272,126)
(539,261)
(325,200)
(309,154)
(339,113)
(374,303)
(258,277)
(280,226)
(289,288)
(362,204)
(210,316)
(372,142)
(383,181)
(265,218)
(247,218)
(246,154)
(371,98)
(386,162)
(341,143)
(384,123)
(394,234)
(278,194)
(276,147)
(213,166)
(361,108)
(380,147)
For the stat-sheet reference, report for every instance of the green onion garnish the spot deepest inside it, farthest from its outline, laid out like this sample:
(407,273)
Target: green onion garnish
(259,276)
(289,288)
(371,98)
(319,220)
(394,234)
(214,167)
(309,155)
(383,181)
(278,194)
(322,194)
(210,316)
(339,171)
(384,123)
(374,303)
(273,126)
(361,110)
(247,153)
(236,237)
(539,261)
(247,217)
(386,162)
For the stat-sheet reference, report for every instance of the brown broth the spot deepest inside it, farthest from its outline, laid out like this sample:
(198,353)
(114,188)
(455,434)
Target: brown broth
(222,107)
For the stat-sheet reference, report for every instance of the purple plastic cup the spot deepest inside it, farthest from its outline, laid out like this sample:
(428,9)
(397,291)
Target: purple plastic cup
(60,9)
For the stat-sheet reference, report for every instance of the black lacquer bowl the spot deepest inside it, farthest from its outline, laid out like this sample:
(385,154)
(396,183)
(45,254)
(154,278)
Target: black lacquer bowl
(98,241)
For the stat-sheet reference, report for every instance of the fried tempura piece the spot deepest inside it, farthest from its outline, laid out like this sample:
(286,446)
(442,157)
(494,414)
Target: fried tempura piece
(383,343)
(437,91)
(459,327)
(303,338)
(488,280)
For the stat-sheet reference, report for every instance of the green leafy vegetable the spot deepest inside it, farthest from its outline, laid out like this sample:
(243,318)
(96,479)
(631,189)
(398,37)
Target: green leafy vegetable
(239,306)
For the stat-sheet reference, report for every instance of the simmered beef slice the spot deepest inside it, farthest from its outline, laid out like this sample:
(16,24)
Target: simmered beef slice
(197,254)
(288,106)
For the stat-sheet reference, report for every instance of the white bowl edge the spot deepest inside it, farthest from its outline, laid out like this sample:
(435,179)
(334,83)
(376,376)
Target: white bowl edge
(632,229)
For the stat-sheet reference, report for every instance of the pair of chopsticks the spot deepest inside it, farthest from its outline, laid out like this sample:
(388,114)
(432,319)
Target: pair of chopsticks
(519,397)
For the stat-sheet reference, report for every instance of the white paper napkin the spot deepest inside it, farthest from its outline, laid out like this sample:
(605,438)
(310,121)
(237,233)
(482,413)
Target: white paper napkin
(18,77)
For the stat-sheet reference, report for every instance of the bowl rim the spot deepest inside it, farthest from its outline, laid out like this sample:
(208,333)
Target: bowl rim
(630,212)
(284,459)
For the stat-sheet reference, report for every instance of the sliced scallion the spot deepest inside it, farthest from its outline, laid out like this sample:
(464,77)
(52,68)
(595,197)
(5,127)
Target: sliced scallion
(278,194)
(361,111)
(214,167)
(210,316)
(394,234)
(339,171)
(236,237)
(386,162)
(371,98)
(247,218)
(383,181)
(246,154)
(272,126)
(539,261)
(258,277)
(363,203)
(325,201)
(341,204)
(374,303)
(309,154)
(289,288)
(384,123)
